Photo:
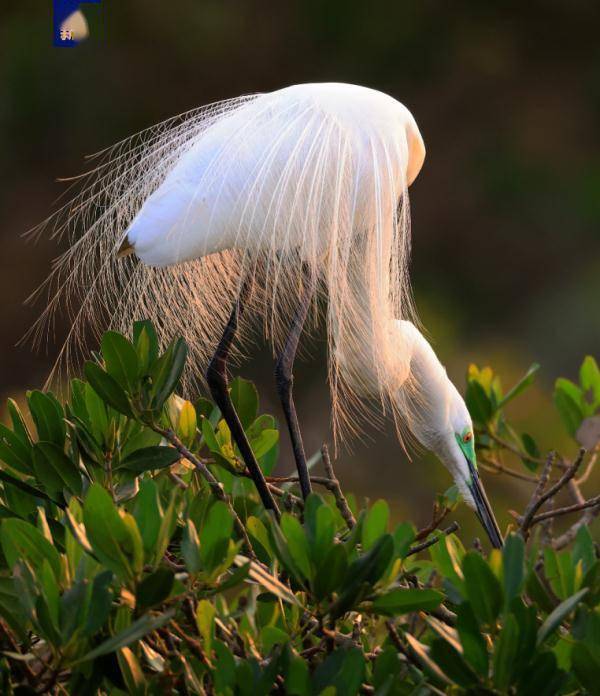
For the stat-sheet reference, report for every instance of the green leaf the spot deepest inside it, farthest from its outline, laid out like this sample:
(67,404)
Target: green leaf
(19,426)
(120,359)
(26,488)
(526,617)
(190,547)
(297,544)
(513,564)
(65,469)
(234,578)
(260,539)
(559,571)
(452,664)
(15,451)
(343,670)
(148,514)
(167,371)
(375,523)
(186,427)
(245,400)
(215,536)
(521,385)
(505,653)
(138,629)
(473,643)
(73,605)
(100,603)
(270,636)
(22,541)
(387,667)
(537,590)
(483,589)
(404,535)
(205,621)
(154,589)
(542,677)
(107,532)
(264,442)
(279,544)
(561,612)
(531,448)
(320,527)
(145,341)
(149,459)
(167,527)
(48,417)
(478,403)
(51,593)
(225,675)
(297,678)
(585,661)
(107,388)
(446,555)
(583,549)
(567,407)
(96,416)
(331,571)
(132,672)
(46,474)
(363,573)
(403,601)
(589,378)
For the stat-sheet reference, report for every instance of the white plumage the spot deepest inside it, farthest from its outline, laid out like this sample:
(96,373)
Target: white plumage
(284,172)
(305,186)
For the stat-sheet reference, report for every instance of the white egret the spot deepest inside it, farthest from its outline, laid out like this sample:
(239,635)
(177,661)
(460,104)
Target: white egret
(262,204)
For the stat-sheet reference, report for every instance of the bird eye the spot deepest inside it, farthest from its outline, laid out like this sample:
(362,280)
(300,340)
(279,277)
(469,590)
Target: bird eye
(467,437)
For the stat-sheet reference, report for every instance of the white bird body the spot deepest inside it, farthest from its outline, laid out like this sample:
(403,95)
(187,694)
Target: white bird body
(214,198)
(308,182)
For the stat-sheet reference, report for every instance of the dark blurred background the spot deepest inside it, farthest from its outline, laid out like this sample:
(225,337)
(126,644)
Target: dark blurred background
(506,212)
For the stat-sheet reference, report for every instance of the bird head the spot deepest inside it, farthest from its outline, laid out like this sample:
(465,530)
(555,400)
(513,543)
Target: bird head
(455,447)
(439,419)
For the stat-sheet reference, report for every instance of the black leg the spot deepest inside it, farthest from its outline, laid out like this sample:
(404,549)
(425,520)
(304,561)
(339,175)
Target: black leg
(285,380)
(216,376)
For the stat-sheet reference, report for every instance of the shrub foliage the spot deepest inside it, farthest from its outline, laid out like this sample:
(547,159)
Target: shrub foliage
(136,557)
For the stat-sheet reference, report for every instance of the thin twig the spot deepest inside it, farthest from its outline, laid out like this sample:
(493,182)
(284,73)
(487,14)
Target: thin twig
(515,450)
(178,481)
(588,470)
(403,650)
(430,542)
(591,503)
(552,491)
(340,499)
(23,666)
(495,467)
(586,519)
(537,494)
(215,485)
(194,644)
(439,515)
(275,490)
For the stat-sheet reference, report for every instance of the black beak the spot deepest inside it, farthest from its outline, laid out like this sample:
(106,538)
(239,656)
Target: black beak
(484,509)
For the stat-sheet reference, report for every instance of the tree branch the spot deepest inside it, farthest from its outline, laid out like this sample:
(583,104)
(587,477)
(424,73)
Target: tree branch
(439,515)
(215,485)
(538,500)
(591,503)
(335,488)
(430,542)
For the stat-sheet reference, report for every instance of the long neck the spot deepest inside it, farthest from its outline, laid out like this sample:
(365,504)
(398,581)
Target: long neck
(422,400)
(371,348)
